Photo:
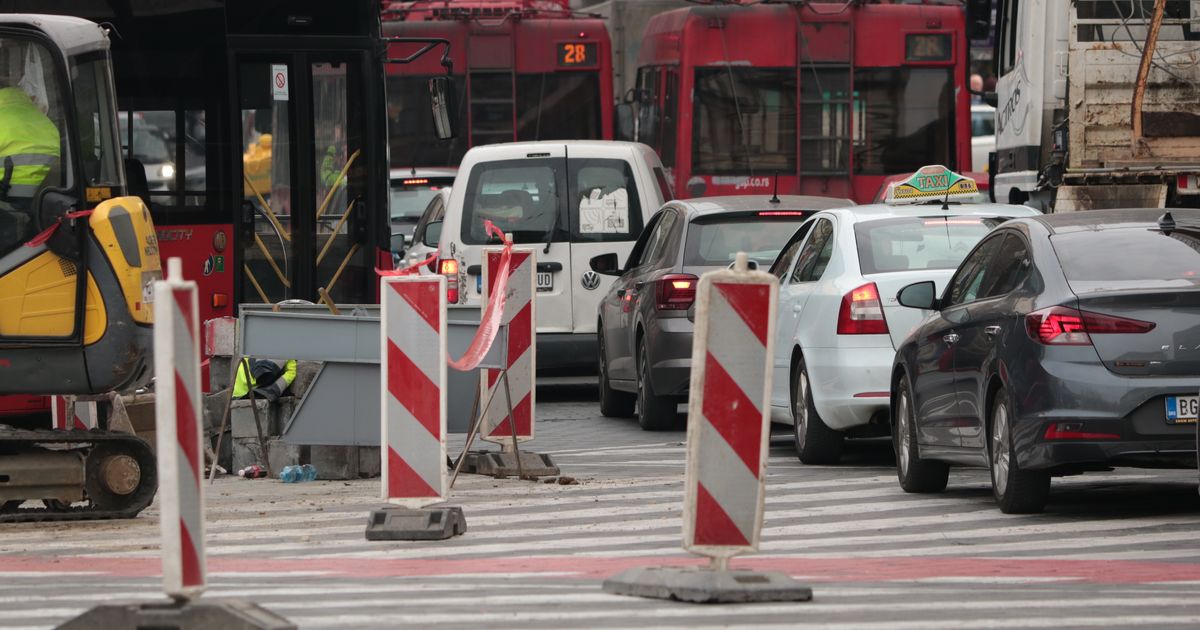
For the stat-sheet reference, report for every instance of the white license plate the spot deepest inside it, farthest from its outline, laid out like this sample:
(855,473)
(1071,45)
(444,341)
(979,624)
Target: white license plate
(1182,409)
(545,281)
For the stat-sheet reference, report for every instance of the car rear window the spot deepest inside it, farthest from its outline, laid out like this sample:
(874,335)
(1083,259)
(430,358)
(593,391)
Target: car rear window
(408,201)
(714,242)
(1148,259)
(907,243)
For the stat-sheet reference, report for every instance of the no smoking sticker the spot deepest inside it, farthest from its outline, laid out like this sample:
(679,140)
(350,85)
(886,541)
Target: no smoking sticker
(279,82)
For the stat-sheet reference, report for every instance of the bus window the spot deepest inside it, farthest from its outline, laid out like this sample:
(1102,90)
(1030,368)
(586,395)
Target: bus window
(491,95)
(824,120)
(558,106)
(745,120)
(903,119)
(647,107)
(411,135)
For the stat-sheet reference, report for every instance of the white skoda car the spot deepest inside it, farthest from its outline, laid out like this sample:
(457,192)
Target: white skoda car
(839,321)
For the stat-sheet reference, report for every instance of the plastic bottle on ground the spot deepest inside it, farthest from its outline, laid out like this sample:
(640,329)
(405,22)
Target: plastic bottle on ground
(253,471)
(310,472)
(291,474)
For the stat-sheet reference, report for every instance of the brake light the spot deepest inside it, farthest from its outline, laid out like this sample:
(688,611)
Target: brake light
(782,213)
(449,268)
(1063,326)
(414,182)
(862,312)
(676,292)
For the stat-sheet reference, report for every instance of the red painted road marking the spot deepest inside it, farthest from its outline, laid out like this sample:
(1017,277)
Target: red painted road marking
(820,569)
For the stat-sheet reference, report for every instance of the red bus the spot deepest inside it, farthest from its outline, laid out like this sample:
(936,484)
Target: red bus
(524,70)
(832,97)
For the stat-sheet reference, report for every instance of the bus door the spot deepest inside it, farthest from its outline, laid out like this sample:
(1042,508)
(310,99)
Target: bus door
(304,221)
(825,67)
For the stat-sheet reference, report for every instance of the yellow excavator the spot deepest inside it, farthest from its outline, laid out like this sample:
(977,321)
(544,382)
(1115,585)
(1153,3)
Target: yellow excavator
(78,258)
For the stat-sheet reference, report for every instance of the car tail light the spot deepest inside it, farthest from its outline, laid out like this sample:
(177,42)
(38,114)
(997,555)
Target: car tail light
(862,312)
(449,268)
(1063,326)
(1074,431)
(676,291)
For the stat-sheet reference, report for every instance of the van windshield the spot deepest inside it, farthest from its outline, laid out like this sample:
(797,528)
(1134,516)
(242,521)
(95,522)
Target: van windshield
(520,196)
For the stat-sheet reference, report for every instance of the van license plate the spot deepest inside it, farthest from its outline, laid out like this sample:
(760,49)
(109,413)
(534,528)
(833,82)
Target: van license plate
(545,281)
(1182,409)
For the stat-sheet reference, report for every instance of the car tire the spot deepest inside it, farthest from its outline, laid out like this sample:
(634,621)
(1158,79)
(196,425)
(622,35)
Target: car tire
(1016,491)
(815,442)
(654,412)
(916,475)
(613,403)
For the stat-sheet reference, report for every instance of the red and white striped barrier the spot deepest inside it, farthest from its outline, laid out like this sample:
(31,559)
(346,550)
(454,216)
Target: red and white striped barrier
(729,411)
(178,423)
(67,414)
(520,316)
(413,370)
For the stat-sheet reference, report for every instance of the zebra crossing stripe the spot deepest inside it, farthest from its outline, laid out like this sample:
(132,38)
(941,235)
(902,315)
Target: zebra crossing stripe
(413,390)
(520,317)
(728,412)
(177,420)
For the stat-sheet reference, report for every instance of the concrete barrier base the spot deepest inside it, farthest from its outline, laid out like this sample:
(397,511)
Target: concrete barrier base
(194,614)
(707,586)
(504,464)
(431,523)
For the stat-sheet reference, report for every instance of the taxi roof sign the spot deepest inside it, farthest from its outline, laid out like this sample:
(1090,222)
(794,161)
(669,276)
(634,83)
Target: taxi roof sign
(935,182)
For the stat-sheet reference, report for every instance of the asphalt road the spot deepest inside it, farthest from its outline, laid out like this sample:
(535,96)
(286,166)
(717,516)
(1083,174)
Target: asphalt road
(1117,549)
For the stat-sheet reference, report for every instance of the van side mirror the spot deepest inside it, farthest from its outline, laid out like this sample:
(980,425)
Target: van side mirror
(441,98)
(979,19)
(433,234)
(624,121)
(606,264)
(991,98)
(919,295)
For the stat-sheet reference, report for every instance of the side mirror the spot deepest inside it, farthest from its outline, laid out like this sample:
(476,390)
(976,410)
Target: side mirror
(441,97)
(979,19)
(399,244)
(606,264)
(624,120)
(918,295)
(991,98)
(433,234)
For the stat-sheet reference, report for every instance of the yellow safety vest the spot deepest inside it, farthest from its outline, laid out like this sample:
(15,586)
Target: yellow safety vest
(244,382)
(28,138)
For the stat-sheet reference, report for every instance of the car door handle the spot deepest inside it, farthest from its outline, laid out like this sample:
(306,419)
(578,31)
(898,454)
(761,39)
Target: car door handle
(991,331)
(951,338)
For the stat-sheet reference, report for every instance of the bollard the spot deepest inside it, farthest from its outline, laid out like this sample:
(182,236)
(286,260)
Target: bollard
(727,447)
(413,405)
(515,386)
(180,465)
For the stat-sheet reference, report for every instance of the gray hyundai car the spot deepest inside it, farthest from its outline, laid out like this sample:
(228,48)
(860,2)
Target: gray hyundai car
(644,333)
(1064,343)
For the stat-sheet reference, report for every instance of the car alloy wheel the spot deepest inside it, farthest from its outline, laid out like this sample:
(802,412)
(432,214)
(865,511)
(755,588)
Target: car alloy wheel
(654,412)
(1016,491)
(815,442)
(800,413)
(903,431)
(914,473)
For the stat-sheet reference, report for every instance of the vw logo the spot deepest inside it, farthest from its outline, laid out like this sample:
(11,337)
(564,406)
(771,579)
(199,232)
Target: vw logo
(590,280)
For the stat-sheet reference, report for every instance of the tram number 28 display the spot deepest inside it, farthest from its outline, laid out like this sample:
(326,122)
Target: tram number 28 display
(576,54)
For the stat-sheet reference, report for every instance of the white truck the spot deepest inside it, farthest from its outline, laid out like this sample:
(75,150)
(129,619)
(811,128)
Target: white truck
(1097,103)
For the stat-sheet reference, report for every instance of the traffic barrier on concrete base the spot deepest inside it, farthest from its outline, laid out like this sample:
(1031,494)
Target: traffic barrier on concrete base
(180,462)
(516,381)
(413,403)
(728,432)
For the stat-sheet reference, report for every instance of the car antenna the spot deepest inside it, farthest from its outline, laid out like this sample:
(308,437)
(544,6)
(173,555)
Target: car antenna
(946,201)
(775,195)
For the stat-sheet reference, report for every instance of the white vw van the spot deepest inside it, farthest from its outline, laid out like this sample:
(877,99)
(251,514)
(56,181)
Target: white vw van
(572,200)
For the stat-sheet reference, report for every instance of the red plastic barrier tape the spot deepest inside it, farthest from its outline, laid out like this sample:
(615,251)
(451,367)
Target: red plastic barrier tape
(489,323)
(729,411)
(178,422)
(44,235)
(407,271)
(413,369)
(519,317)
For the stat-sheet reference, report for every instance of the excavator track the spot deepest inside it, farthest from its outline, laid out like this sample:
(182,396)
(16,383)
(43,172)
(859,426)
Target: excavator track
(133,492)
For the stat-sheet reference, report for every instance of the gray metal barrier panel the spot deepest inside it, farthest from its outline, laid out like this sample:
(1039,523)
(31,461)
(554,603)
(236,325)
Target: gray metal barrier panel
(341,406)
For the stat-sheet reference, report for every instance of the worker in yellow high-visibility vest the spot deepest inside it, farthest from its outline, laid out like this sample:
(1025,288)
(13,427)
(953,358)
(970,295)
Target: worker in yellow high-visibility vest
(29,146)
(268,378)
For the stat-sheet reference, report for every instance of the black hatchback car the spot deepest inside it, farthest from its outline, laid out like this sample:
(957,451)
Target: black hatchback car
(1064,343)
